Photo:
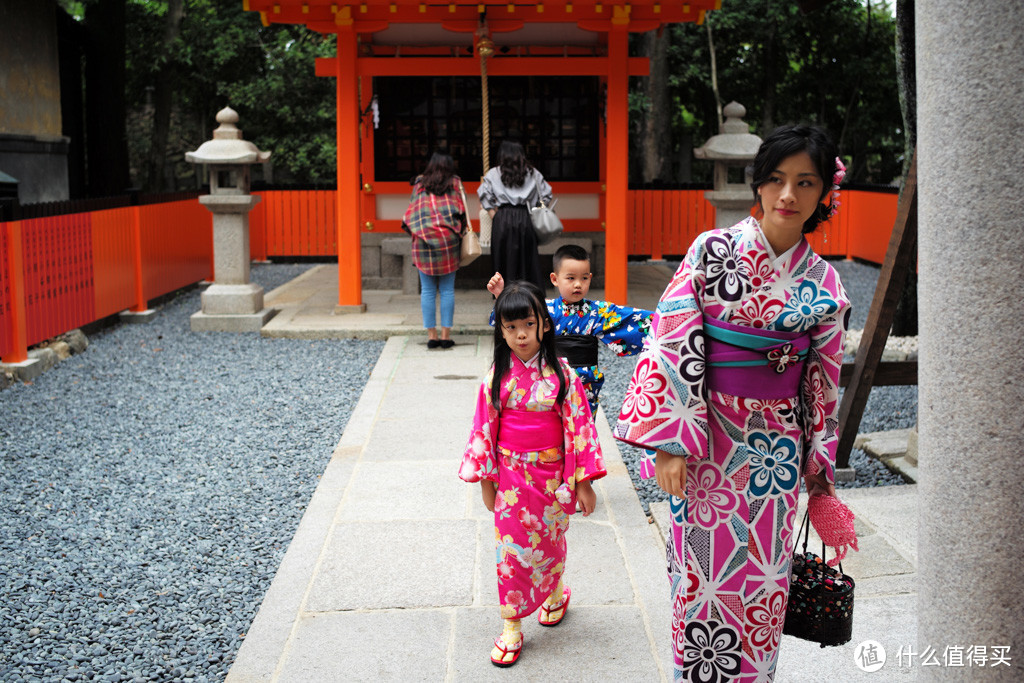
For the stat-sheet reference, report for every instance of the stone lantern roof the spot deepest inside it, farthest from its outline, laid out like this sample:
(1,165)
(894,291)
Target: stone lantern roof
(735,142)
(227,145)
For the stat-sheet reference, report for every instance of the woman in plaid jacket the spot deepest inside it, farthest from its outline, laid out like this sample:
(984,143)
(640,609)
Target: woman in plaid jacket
(436,219)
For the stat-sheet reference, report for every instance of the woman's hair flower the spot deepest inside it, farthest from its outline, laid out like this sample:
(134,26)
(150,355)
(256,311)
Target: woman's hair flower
(836,179)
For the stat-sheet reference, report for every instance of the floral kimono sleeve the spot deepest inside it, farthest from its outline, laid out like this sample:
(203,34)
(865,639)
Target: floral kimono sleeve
(479,461)
(621,328)
(665,406)
(820,384)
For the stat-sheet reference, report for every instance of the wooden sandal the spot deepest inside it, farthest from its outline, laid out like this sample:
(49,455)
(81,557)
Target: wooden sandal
(514,650)
(544,615)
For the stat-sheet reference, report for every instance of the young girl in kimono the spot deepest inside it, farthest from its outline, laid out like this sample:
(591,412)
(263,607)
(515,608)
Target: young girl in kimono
(737,393)
(535,452)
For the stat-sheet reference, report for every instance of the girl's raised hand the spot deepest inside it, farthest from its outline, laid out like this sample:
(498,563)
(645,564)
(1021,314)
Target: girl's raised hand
(670,471)
(496,284)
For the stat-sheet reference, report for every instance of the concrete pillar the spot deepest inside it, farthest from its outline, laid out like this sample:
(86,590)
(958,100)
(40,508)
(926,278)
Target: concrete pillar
(970,80)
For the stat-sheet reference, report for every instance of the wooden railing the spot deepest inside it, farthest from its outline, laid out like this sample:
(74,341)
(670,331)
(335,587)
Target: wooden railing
(59,272)
(662,223)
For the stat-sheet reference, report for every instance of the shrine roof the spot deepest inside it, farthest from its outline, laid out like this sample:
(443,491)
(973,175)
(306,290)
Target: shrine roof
(462,16)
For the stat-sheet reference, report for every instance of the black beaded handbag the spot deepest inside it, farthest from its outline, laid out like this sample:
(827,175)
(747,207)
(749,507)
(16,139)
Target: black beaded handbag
(820,607)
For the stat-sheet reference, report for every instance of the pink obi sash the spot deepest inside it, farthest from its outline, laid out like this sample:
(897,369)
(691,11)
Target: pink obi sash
(754,363)
(530,430)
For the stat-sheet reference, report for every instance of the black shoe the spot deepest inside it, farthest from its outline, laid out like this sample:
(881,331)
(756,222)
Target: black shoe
(447,343)
(433,343)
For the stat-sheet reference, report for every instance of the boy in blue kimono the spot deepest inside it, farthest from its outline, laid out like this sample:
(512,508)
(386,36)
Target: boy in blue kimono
(581,322)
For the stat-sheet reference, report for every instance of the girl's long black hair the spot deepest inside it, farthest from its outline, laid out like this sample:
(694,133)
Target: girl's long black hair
(518,300)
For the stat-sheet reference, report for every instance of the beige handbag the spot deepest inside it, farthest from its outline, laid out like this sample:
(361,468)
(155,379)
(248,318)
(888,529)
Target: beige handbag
(470,241)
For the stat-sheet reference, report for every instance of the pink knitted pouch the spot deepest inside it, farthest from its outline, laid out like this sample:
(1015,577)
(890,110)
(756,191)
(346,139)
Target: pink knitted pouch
(833,522)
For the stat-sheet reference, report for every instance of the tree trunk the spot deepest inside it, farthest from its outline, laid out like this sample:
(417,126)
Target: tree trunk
(771,76)
(906,78)
(714,75)
(657,140)
(855,93)
(905,320)
(163,100)
(105,120)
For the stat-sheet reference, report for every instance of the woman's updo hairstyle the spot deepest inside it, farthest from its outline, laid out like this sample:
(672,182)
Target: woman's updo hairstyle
(786,141)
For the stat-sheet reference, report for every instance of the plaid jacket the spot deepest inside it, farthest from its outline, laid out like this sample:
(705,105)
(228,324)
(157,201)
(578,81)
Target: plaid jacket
(436,223)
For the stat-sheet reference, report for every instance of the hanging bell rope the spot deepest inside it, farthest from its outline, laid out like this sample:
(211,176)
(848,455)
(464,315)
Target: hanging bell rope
(484,49)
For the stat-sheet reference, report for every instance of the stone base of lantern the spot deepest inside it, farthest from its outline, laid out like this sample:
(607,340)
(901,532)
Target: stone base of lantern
(201,322)
(731,206)
(232,308)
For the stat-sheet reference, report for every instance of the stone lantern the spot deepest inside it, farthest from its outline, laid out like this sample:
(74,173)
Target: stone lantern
(231,303)
(732,151)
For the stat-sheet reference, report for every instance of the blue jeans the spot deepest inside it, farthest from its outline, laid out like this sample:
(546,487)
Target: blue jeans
(430,285)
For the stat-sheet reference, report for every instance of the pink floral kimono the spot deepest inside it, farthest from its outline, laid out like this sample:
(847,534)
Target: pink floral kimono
(536,453)
(742,378)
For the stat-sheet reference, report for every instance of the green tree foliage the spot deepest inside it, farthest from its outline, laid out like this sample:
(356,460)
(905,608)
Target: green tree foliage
(220,55)
(835,67)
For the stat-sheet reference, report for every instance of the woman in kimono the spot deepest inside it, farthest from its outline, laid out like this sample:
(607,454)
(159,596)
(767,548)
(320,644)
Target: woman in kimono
(534,450)
(508,191)
(737,394)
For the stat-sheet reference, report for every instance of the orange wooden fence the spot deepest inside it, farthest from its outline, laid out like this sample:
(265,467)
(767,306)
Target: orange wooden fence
(662,223)
(62,272)
(665,222)
(294,223)
(65,271)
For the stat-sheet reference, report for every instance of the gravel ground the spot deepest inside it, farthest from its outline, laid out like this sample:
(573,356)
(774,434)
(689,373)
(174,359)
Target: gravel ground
(887,408)
(149,488)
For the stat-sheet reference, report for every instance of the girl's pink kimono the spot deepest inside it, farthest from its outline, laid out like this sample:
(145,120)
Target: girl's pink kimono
(536,453)
(742,378)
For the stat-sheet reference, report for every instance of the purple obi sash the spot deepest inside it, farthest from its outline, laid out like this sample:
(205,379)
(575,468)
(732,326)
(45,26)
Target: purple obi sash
(530,430)
(753,363)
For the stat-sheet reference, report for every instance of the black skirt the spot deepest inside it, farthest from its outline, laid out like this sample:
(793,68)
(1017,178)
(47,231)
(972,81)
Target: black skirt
(514,246)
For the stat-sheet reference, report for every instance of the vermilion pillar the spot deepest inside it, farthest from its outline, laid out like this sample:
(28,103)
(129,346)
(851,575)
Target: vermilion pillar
(18,351)
(617,180)
(350,271)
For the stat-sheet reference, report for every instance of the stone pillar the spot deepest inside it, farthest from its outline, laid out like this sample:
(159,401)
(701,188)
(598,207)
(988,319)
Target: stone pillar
(970,78)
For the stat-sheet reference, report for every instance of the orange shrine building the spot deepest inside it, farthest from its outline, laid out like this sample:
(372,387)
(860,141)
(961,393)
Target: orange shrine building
(413,77)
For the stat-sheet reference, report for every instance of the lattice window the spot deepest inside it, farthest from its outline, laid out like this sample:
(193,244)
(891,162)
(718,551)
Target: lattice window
(556,119)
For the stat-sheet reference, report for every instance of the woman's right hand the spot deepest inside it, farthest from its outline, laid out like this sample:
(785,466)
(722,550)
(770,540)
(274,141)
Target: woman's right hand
(496,284)
(670,472)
